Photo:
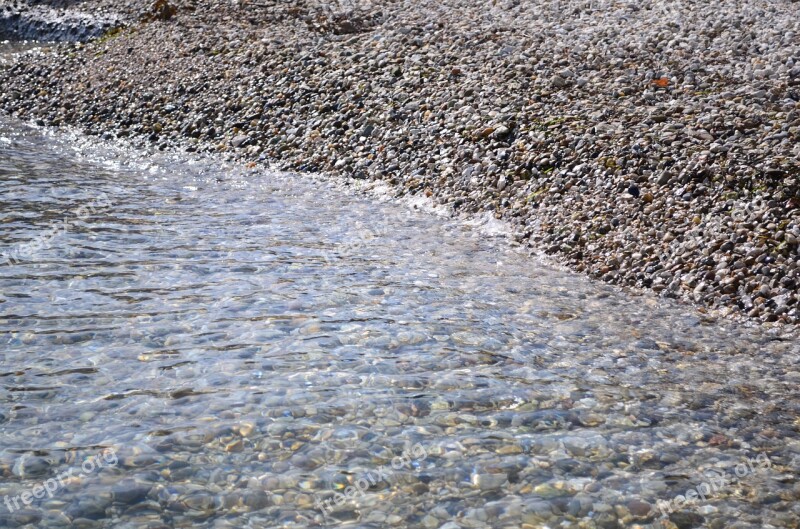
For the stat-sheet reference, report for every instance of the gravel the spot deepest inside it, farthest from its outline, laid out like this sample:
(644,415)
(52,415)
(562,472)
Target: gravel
(648,144)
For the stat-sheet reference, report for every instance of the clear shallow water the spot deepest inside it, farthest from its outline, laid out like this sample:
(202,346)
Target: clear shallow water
(209,346)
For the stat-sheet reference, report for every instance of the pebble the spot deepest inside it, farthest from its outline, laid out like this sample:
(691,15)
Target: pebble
(680,143)
(553,139)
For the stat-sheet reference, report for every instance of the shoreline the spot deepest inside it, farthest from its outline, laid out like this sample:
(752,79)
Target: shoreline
(689,189)
(491,230)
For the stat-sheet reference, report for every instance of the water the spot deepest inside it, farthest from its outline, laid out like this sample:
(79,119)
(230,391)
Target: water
(187,343)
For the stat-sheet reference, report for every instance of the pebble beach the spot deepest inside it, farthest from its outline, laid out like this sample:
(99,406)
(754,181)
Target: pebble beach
(299,264)
(646,144)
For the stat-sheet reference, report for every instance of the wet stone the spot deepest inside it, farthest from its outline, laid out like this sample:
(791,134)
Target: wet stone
(129,492)
(639,508)
(686,520)
(92,508)
(30,466)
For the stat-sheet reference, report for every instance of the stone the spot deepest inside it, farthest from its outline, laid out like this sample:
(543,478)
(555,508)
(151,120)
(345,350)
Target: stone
(239,141)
